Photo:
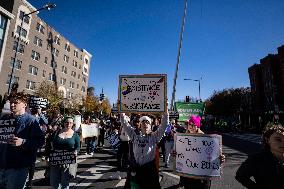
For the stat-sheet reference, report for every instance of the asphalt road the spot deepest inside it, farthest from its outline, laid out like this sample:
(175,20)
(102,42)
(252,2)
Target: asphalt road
(99,170)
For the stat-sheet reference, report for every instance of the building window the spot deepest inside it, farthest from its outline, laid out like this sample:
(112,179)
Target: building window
(64,69)
(66,58)
(84,79)
(57,40)
(79,76)
(37,41)
(75,64)
(67,47)
(55,51)
(76,53)
(85,70)
(51,77)
(72,84)
(25,18)
(18,63)
(62,81)
(61,93)
(33,70)
(77,86)
(43,73)
(80,67)
(3,24)
(14,80)
(70,95)
(53,64)
(86,61)
(21,47)
(83,89)
(40,28)
(30,85)
(23,32)
(35,55)
(45,60)
(73,74)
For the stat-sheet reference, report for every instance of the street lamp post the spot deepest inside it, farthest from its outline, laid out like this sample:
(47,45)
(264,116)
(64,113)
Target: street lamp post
(45,7)
(198,80)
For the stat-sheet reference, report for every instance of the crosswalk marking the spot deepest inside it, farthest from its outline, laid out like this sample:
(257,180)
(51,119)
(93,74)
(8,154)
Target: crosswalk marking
(121,183)
(255,138)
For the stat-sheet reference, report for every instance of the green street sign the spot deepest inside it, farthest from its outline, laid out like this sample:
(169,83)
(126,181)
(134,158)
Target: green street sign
(186,109)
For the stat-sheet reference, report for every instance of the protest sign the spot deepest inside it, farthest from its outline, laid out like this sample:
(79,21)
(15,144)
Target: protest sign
(35,102)
(61,157)
(7,129)
(186,109)
(142,93)
(198,156)
(113,139)
(90,130)
(77,121)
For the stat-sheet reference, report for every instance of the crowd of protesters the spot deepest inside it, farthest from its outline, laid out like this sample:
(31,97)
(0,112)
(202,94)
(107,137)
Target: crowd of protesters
(136,138)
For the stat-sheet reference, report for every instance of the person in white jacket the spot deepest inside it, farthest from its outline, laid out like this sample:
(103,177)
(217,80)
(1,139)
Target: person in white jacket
(145,173)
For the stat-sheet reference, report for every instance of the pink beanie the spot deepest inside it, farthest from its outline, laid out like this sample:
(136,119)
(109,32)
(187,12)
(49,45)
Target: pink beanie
(194,120)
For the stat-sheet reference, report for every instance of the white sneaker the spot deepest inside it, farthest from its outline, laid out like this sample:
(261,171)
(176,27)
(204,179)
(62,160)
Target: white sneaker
(92,154)
(117,176)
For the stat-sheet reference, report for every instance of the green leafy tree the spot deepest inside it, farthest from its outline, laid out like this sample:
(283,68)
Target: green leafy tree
(49,91)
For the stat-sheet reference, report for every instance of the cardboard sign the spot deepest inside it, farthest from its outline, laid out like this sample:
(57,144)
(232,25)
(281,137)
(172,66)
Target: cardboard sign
(7,129)
(61,157)
(35,102)
(90,130)
(142,93)
(198,156)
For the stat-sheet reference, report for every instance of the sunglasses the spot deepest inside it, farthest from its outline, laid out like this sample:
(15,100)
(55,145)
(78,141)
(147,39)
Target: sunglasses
(145,121)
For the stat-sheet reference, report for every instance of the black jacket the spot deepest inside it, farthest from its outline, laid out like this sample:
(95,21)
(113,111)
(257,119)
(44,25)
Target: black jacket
(265,169)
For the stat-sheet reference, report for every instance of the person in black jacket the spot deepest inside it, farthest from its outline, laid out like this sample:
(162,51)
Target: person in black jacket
(266,167)
(20,137)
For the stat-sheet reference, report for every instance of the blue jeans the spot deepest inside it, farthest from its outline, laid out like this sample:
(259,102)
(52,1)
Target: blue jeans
(91,144)
(59,177)
(13,178)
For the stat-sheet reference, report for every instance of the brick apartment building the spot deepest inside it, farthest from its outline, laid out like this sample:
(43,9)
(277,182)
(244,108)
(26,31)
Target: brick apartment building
(267,83)
(43,53)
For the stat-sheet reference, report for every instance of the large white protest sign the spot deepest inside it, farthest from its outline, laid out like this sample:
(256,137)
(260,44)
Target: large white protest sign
(142,93)
(61,157)
(35,102)
(7,129)
(198,155)
(77,121)
(90,130)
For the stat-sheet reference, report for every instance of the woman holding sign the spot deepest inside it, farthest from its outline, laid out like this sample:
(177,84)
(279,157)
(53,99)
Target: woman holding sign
(193,127)
(64,141)
(145,173)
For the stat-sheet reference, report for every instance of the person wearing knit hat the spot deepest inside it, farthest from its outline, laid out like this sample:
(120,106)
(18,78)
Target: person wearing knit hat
(265,169)
(193,127)
(144,171)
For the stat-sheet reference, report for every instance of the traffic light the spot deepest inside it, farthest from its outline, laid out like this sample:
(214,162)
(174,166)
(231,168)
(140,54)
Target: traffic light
(102,96)
(187,99)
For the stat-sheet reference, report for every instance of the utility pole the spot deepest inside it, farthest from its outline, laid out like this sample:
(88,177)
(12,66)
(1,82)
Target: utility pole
(178,56)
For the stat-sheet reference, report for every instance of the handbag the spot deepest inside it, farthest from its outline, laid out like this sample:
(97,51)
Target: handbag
(73,170)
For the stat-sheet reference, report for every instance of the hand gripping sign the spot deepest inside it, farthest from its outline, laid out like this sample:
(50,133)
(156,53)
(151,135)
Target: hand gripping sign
(198,156)
(142,93)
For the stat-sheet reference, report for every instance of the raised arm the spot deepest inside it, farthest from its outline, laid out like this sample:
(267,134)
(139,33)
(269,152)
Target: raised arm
(127,127)
(162,128)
